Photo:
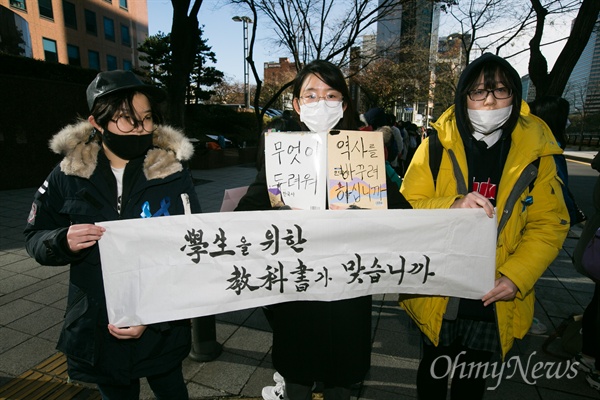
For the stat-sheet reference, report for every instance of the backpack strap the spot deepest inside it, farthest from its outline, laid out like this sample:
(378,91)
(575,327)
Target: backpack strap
(435,155)
(525,180)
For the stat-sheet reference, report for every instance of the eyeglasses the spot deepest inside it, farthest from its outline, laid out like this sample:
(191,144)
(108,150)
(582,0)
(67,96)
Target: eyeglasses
(332,99)
(128,124)
(500,93)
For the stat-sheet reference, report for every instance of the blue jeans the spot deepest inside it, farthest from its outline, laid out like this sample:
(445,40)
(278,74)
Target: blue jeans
(167,386)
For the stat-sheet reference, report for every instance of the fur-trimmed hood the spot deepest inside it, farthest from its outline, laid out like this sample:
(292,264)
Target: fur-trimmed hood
(80,152)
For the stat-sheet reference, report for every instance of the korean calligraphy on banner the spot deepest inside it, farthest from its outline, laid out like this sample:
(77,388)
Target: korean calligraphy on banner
(296,169)
(345,168)
(356,170)
(161,269)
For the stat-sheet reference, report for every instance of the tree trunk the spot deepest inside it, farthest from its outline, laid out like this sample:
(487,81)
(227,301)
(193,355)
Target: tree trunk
(184,41)
(555,82)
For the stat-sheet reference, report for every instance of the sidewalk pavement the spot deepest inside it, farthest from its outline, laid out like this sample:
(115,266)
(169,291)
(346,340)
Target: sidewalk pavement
(33,300)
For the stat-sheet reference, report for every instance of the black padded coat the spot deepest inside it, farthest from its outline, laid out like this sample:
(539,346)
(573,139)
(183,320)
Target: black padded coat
(82,189)
(318,341)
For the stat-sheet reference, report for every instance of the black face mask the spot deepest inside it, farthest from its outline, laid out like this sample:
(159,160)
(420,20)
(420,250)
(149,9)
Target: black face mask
(127,147)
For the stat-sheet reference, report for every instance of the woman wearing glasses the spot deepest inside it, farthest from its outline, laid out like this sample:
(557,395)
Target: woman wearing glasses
(314,341)
(119,164)
(489,142)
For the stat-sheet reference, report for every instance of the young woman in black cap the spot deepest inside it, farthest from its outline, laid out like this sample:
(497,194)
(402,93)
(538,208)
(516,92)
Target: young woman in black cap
(120,163)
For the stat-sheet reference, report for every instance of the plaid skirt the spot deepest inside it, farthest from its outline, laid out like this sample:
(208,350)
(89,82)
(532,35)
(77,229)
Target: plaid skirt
(475,335)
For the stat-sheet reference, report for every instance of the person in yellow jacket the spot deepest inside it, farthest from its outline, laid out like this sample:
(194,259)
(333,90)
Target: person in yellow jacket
(488,144)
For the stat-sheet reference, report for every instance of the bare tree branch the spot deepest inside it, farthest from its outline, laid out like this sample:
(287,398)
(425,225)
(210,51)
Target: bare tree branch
(315,29)
(554,83)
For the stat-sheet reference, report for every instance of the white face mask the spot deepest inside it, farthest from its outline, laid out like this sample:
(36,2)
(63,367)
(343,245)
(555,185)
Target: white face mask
(321,117)
(488,121)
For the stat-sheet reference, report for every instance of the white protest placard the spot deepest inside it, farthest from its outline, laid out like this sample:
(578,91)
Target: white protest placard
(356,170)
(170,268)
(295,164)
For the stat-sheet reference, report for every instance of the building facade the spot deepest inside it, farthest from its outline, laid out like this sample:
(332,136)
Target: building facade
(451,61)
(276,74)
(528,93)
(95,34)
(368,48)
(276,71)
(452,51)
(413,23)
(389,30)
(15,38)
(583,88)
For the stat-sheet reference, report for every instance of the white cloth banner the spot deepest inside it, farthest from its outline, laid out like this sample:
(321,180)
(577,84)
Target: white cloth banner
(170,268)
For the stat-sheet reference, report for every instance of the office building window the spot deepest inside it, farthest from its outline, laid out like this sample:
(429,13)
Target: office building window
(46,8)
(109,29)
(90,23)
(93,60)
(123,4)
(70,14)
(125,37)
(127,65)
(111,62)
(50,53)
(20,4)
(73,53)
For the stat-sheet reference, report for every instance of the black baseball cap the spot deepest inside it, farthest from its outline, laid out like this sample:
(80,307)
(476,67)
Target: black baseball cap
(112,81)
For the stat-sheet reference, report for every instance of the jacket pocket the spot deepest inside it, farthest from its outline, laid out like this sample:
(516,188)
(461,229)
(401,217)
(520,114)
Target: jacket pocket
(79,333)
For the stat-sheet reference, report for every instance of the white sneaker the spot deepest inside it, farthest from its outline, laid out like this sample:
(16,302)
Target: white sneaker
(278,378)
(273,392)
(537,328)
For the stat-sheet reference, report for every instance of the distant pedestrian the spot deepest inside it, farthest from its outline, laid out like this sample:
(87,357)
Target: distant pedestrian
(414,139)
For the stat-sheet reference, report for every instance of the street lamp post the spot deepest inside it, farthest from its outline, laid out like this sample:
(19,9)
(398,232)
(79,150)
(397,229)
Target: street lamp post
(245,21)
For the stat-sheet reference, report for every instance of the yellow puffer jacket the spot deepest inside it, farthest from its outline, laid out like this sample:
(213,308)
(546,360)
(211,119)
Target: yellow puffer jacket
(529,237)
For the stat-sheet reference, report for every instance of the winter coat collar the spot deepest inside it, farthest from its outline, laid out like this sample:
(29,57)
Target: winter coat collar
(80,151)
(530,137)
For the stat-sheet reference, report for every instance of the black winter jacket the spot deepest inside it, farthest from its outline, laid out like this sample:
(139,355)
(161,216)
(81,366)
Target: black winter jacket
(82,190)
(319,341)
